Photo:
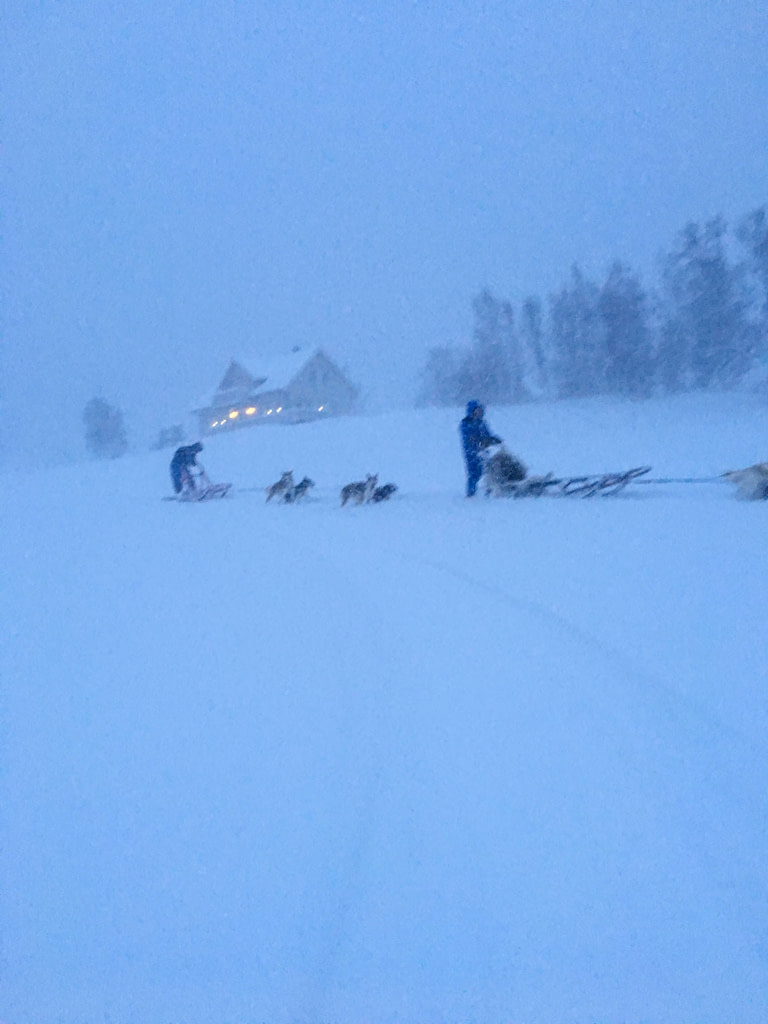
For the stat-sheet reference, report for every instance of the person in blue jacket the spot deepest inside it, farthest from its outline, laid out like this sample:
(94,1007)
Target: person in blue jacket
(183,460)
(475,437)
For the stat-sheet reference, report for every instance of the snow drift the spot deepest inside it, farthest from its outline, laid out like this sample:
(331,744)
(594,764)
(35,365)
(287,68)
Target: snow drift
(429,760)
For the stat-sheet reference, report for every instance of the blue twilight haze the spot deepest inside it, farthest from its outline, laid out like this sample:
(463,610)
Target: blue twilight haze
(187,181)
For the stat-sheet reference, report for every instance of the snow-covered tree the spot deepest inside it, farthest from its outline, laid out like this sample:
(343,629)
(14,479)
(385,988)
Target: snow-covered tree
(706,332)
(490,369)
(496,364)
(532,341)
(753,234)
(105,435)
(169,437)
(578,338)
(627,341)
(439,379)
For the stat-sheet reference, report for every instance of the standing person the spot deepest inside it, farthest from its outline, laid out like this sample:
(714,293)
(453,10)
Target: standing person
(475,437)
(184,459)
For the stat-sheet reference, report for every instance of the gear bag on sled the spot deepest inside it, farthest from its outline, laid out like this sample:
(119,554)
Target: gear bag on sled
(502,471)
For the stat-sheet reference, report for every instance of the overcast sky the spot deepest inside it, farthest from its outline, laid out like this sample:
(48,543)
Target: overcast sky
(186,181)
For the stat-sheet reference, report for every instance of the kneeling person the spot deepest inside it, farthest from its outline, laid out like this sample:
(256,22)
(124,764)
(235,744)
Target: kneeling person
(183,461)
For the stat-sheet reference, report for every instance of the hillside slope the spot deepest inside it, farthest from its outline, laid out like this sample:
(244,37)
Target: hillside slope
(434,760)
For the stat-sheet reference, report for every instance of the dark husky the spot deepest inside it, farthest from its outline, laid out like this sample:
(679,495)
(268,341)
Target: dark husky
(384,493)
(297,492)
(360,491)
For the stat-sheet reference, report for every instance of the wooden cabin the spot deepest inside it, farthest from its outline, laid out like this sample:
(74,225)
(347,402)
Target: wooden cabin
(301,386)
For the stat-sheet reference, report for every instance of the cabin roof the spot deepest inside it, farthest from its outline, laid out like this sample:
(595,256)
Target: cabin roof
(253,375)
(237,376)
(278,371)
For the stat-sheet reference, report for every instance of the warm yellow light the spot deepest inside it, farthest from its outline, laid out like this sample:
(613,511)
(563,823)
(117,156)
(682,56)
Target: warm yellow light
(234,414)
(250,410)
(269,412)
(320,408)
(279,408)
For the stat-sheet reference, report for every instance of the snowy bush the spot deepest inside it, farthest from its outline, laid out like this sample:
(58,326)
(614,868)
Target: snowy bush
(105,436)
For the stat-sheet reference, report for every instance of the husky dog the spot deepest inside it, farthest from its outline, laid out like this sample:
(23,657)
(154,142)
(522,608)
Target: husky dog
(503,472)
(360,491)
(751,483)
(383,493)
(298,491)
(284,484)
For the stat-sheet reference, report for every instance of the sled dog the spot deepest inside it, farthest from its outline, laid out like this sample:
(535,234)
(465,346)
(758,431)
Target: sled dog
(298,491)
(751,483)
(383,493)
(285,483)
(360,491)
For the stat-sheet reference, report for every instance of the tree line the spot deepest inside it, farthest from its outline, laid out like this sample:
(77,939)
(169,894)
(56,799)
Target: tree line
(704,325)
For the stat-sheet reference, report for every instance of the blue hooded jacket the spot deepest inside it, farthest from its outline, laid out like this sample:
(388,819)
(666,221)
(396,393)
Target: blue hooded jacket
(183,459)
(475,435)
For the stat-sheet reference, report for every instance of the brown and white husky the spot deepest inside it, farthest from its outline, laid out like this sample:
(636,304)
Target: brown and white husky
(284,484)
(751,483)
(360,491)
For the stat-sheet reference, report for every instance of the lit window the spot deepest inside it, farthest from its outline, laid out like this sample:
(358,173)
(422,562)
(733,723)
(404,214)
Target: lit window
(320,408)
(279,408)
(234,414)
(250,410)
(215,423)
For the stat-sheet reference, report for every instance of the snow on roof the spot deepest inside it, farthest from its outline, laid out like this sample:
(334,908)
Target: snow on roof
(238,377)
(280,369)
(264,374)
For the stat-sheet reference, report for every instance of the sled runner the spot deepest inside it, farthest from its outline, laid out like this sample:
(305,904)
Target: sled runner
(505,476)
(207,492)
(608,483)
(575,486)
(203,490)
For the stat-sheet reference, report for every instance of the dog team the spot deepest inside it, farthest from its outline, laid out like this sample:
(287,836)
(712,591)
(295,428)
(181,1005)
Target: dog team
(504,473)
(360,492)
(287,490)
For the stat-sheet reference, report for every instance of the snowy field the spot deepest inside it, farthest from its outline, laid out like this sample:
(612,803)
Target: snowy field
(432,761)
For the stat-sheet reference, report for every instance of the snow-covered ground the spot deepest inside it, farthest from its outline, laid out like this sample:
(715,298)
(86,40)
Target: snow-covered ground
(430,761)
